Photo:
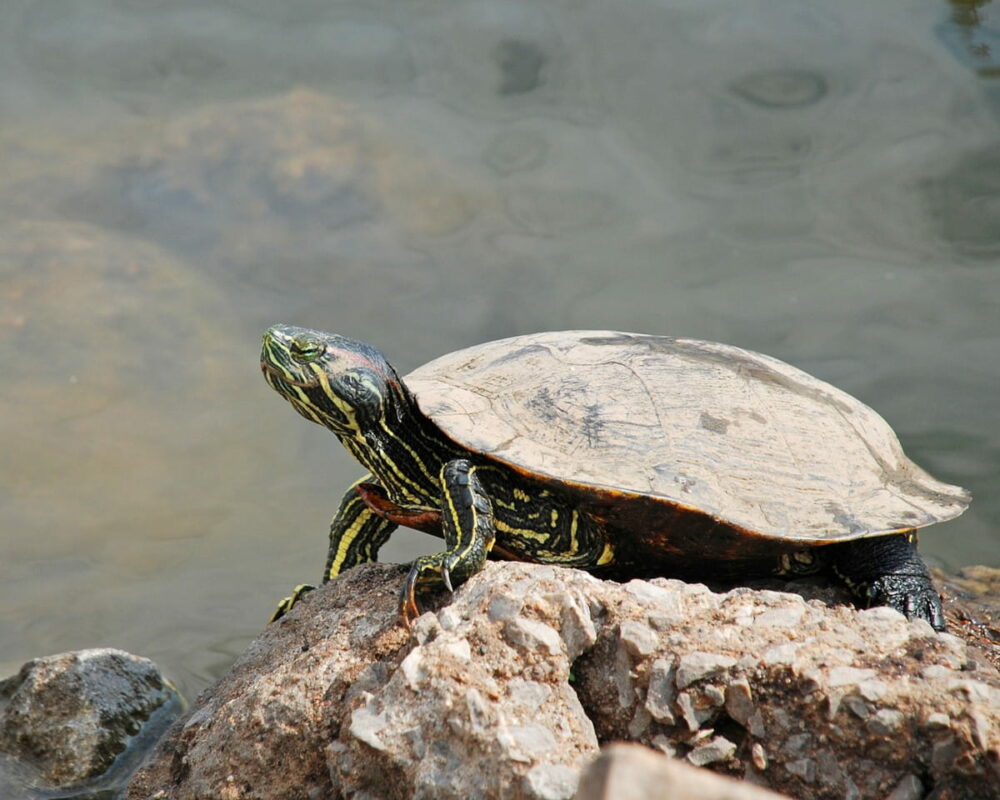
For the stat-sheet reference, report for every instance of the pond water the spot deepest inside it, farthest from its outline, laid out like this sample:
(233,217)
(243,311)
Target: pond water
(817,181)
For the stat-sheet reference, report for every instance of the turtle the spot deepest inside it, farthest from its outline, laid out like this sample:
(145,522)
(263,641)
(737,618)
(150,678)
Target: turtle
(623,454)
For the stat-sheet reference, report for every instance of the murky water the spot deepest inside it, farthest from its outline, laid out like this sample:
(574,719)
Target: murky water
(817,181)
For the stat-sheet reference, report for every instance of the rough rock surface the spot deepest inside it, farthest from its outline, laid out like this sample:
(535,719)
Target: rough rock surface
(69,716)
(500,694)
(633,772)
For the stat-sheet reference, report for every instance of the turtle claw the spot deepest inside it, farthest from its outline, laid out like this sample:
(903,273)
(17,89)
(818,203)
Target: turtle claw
(912,595)
(409,609)
(287,602)
(427,574)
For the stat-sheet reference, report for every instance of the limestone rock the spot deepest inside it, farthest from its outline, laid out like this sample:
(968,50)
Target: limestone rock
(507,690)
(67,718)
(631,772)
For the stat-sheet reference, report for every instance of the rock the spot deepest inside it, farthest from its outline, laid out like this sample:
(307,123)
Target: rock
(630,772)
(697,666)
(67,718)
(507,690)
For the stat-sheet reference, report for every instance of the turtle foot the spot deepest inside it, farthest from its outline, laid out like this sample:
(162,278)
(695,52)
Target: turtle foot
(286,603)
(912,595)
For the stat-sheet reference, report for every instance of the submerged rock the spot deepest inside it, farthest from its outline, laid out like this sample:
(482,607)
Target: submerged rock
(68,718)
(508,690)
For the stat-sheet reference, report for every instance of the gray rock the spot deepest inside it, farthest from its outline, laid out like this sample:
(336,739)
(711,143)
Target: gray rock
(718,749)
(69,716)
(885,722)
(661,693)
(551,782)
(529,634)
(699,665)
(640,639)
(804,768)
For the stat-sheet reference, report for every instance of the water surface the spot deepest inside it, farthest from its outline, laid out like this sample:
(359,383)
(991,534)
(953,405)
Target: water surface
(817,181)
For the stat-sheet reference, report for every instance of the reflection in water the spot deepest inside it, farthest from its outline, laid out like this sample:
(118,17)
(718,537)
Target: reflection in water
(964,205)
(976,22)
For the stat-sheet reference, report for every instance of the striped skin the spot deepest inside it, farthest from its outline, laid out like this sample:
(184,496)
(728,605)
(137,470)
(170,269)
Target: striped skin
(417,477)
(468,527)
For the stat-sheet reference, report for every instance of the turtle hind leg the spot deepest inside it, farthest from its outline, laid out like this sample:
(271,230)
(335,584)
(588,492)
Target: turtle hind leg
(888,571)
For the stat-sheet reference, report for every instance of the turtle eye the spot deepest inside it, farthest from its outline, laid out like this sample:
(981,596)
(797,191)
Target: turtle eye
(306,348)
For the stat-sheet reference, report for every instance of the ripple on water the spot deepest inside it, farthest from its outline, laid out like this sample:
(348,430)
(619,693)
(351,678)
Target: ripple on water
(781,88)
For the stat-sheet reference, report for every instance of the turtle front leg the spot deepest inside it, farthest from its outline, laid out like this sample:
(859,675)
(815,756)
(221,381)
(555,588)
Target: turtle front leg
(356,534)
(888,571)
(467,525)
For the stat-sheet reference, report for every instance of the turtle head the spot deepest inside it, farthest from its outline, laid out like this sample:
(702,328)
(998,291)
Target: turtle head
(341,383)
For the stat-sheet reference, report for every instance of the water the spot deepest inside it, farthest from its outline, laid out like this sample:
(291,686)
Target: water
(817,181)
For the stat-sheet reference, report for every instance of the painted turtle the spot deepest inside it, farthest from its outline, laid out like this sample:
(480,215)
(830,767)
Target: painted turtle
(620,453)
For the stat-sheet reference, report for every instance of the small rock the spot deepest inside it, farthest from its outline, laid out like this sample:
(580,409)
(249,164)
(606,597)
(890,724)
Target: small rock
(873,690)
(698,665)
(780,655)
(881,615)
(943,753)
(909,788)
(937,672)
(693,712)
(639,639)
(797,744)
(857,706)
(551,782)
(886,722)
(481,716)
(365,726)
(525,742)
(719,749)
(786,617)
(758,756)
(425,628)
(828,770)
(938,720)
(449,618)
(504,607)
(845,676)
(578,629)
(739,701)
(640,722)
(529,634)
(714,694)
(983,733)
(412,669)
(661,693)
(804,768)
(457,647)
(530,694)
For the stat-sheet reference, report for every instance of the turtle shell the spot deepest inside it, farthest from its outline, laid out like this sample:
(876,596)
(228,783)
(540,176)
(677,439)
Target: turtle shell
(736,435)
